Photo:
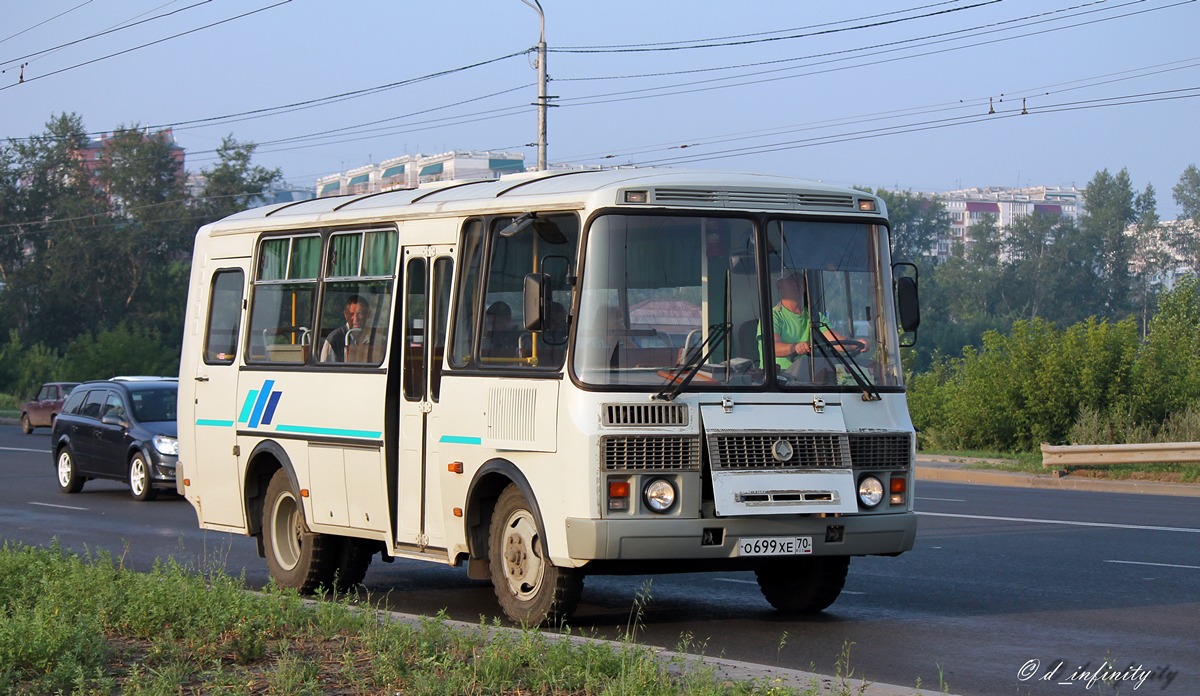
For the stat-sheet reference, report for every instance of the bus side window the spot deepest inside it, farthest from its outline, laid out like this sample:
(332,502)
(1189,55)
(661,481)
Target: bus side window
(438,321)
(224,317)
(414,330)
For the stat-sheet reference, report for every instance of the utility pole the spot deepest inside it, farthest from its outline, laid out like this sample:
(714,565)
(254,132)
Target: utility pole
(543,99)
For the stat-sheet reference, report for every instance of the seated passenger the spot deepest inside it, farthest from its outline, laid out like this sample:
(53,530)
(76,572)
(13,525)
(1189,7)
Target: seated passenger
(353,333)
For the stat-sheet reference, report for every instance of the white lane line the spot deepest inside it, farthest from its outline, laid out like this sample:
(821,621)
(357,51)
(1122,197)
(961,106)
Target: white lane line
(1157,565)
(24,449)
(1073,523)
(61,507)
(741,582)
(942,500)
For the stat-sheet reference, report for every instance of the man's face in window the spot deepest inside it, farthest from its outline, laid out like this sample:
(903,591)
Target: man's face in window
(357,314)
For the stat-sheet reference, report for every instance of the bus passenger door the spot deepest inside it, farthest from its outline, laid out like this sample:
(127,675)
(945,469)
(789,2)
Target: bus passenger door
(215,475)
(427,274)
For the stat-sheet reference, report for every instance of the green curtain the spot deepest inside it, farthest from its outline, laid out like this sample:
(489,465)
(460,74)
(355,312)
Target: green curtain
(306,257)
(343,255)
(380,256)
(272,263)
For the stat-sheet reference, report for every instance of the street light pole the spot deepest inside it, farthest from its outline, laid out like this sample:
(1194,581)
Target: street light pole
(542,98)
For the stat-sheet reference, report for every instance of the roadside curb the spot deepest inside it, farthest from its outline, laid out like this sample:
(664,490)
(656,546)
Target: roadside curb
(929,469)
(728,670)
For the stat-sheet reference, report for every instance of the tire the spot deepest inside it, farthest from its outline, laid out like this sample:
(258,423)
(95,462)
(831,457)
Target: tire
(26,426)
(803,586)
(353,559)
(140,483)
(531,589)
(69,479)
(297,558)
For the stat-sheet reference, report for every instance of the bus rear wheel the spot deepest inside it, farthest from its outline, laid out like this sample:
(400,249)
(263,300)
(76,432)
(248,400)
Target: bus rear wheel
(532,590)
(804,585)
(297,558)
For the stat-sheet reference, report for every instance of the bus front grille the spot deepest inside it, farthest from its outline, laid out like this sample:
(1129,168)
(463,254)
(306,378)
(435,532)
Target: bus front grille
(778,451)
(880,450)
(640,453)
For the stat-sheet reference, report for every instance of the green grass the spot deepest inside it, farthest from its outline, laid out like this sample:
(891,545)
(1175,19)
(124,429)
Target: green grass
(86,625)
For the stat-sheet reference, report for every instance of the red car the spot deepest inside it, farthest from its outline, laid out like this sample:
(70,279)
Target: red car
(41,410)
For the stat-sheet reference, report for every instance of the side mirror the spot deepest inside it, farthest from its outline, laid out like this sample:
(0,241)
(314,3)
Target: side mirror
(110,419)
(909,305)
(536,301)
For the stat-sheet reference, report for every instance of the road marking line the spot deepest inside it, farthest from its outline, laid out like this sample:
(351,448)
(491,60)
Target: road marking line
(1109,525)
(743,582)
(943,500)
(63,507)
(24,449)
(1158,565)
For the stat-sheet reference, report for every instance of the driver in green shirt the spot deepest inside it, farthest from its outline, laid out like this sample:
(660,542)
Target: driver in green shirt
(792,323)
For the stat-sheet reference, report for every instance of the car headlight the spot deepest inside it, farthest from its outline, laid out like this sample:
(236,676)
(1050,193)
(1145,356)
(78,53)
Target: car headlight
(870,491)
(659,495)
(165,444)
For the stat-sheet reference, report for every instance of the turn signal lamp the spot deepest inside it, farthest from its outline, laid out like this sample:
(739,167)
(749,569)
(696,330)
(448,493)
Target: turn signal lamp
(866,205)
(898,487)
(636,197)
(618,495)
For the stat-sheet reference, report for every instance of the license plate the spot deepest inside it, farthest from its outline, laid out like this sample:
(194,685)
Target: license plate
(774,546)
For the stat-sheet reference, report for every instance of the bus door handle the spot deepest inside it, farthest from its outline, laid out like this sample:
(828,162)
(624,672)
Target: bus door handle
(201,378)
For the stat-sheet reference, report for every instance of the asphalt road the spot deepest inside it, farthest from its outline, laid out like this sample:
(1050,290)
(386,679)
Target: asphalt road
(1004,585)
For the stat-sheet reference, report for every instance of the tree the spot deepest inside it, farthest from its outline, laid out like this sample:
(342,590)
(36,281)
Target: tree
(1186,240)
(1151,257)
(916,224)
(233,184)
(1108,213)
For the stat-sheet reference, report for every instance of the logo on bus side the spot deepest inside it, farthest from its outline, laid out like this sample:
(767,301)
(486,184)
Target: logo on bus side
(259,406)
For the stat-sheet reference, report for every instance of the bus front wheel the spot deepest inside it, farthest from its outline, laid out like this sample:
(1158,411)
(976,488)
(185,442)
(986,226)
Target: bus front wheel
(531,589)
(804,585)
(297,558)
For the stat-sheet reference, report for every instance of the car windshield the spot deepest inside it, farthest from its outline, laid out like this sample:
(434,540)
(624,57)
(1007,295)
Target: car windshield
(154,404)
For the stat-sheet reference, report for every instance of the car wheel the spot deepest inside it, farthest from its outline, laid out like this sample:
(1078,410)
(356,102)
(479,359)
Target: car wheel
(25,424)
(297,557)
(139,478)
(69,479)
(531,589)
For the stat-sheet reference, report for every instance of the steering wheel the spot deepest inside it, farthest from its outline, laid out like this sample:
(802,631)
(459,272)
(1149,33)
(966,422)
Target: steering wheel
(849,346)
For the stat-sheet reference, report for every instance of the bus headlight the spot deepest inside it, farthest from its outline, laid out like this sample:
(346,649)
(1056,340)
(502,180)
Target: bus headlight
(659,495)
(870,491)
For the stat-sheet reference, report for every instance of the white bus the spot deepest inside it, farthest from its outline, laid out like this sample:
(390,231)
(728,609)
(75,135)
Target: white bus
(552,374)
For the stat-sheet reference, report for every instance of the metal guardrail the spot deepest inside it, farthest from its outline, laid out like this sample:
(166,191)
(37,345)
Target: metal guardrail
(1058,456)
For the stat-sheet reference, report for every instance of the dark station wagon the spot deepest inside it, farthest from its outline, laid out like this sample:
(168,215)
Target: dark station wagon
(121,429)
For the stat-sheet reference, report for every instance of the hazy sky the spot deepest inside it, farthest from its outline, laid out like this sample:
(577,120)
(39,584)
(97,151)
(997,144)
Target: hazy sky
(880,93)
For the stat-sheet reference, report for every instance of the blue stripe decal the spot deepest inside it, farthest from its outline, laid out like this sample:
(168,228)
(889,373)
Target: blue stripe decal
(338,432)
(211,423)
(261,403)
(251,397)
(461,440)
(271,404)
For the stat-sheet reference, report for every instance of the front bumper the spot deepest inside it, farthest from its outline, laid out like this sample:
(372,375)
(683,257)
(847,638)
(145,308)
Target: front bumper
(715,539)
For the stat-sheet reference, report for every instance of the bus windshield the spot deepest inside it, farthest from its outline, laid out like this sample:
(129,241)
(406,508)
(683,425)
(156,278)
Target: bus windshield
(667,298)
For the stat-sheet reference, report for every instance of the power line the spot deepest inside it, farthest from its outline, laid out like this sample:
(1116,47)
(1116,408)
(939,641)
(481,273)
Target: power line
(747,42)
(678,89)
(827,54)
(761,33)
(966,103)
(151,43)
(43,22)
(102,33)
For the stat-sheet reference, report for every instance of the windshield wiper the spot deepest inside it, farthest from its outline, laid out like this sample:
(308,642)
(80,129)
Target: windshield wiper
(870,393)
(678,380)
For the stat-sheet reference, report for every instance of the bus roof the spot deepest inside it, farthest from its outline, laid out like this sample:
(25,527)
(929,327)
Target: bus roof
(565,189)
